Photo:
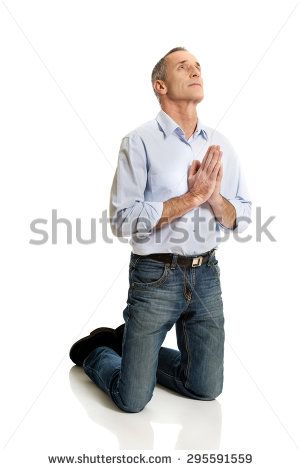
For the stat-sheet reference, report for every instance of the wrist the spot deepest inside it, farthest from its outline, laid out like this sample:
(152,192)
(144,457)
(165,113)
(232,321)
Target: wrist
(192,200)
(216,200)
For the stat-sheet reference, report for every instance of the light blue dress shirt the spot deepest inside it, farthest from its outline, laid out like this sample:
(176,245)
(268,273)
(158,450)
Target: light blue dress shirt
(152,167)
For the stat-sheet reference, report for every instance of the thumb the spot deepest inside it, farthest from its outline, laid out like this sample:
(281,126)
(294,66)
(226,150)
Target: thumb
(191,168)
(194,167)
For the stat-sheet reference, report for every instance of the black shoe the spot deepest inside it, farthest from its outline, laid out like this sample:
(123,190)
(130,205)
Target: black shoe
(99,337)
(119,332)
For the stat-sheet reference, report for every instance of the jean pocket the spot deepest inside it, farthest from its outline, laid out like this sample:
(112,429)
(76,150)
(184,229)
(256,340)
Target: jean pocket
(215,266)
(148,273)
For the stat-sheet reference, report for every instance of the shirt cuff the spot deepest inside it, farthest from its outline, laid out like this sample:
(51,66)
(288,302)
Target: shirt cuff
(137,220)
(151,213)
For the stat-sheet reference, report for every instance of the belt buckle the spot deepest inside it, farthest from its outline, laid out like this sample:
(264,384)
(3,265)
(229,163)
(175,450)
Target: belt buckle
(197,261)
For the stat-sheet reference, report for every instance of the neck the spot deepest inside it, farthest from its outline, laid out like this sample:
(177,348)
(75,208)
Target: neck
(185,116)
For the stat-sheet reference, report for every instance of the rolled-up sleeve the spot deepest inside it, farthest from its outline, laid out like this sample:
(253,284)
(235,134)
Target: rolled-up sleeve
(130,214)
(240,200)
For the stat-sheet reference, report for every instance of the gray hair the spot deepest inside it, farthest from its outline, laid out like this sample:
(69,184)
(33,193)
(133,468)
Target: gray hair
(160,70)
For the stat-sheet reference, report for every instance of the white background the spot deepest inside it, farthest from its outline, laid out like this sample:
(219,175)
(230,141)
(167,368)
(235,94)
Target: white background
(75,78)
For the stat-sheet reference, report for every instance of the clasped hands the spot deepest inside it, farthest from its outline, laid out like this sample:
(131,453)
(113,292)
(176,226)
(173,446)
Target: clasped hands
(204,178)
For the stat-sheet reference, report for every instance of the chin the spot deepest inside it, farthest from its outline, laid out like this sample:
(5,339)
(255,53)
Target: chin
(197,98)
(197,95)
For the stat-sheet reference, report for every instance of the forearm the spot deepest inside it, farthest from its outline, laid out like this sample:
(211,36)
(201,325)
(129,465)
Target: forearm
(176,207)
(224,212)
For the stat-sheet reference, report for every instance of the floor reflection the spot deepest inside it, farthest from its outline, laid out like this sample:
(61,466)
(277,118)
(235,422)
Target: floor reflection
(200,421)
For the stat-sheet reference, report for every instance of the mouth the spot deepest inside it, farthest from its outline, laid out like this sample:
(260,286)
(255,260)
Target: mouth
(195,84)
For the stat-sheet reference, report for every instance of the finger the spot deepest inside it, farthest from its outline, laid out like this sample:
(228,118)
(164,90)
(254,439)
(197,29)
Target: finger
(210,148)
(197,166)
(220,174)
(216,169)
(208,157)
(215,159)
(221,168)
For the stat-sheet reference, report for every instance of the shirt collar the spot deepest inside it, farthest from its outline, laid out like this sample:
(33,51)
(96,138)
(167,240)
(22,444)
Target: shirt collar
(168,125)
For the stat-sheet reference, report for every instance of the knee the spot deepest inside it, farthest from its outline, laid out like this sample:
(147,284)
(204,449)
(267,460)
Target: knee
(131,409)
(208,396)
(133,405)
(207,392)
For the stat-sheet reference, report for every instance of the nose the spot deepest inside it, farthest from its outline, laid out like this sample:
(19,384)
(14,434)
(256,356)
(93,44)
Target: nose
(194,71)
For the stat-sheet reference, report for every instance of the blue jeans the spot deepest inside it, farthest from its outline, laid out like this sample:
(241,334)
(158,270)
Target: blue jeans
(159,296)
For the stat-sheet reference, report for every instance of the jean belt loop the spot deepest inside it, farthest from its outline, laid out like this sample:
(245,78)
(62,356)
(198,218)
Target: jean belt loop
(211,255)
(174,261)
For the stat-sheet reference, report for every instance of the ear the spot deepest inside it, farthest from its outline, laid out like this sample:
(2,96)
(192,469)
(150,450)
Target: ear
(160,87)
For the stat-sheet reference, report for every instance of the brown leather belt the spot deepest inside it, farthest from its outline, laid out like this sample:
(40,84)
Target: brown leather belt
(186,261)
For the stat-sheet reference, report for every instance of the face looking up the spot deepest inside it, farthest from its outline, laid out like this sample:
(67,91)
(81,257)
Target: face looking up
(183,79)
